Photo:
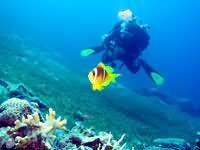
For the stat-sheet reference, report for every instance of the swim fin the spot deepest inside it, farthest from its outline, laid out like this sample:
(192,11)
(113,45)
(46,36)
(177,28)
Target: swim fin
(154,75)
(91,51)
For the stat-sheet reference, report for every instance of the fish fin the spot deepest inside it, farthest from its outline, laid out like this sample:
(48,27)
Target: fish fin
(95,87)
(112,79)
(114,76)
(107,82)
(157,78)
(154,75)
(91,51)
(87,52)
(109,69)
(100,89)
(101,65)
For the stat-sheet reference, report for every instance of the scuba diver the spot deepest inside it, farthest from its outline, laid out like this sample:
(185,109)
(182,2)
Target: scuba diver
(125,43)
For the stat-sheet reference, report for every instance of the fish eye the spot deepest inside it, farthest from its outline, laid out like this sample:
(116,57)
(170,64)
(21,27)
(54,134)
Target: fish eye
(93,73)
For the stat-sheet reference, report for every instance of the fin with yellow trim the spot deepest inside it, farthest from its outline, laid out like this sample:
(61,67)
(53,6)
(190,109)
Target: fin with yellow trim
(96,87)
(154,75)
(114,77)
(101,65)
(109,69)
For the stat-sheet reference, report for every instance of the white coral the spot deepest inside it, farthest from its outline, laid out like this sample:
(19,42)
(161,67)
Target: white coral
(52,123)
(116,145)
(45,129)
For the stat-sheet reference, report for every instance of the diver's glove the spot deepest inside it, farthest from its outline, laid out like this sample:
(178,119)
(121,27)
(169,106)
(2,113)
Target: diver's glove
(146,27)
(104,37)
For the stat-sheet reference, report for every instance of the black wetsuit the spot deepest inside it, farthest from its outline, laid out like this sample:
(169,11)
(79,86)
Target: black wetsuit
(132,40)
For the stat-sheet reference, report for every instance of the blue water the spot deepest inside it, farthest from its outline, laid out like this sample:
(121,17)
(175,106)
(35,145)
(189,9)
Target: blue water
(69,26)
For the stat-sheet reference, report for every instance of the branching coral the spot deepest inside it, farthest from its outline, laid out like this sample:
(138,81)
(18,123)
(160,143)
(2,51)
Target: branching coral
(83,139)
(113,146)
(51,123)
(116,144)
(31,131)
(103,141)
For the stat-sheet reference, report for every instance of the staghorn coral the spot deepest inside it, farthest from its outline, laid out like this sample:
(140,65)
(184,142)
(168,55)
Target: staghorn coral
(14,109)
(85,139)
(51,123)
(116,144)
(30,132)
(105,141)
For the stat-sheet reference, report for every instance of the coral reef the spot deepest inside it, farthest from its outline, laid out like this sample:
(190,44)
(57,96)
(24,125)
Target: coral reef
(31,133)
(80,137)
(14,109)
(197,142)
(19,91)
(169,144)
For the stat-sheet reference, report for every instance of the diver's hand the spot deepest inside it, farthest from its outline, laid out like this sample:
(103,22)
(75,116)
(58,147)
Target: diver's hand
(145,27)
(104,37)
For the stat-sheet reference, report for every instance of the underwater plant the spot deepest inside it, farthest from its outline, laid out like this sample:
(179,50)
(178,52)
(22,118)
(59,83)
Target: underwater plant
(30,132)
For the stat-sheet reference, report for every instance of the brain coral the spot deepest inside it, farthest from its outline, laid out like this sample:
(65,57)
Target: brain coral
(14,109)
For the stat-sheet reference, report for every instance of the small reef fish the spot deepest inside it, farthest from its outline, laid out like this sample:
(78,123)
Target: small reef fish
(102,76)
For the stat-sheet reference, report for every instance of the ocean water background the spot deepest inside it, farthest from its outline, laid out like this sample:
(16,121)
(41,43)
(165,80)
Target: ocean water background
(70,26)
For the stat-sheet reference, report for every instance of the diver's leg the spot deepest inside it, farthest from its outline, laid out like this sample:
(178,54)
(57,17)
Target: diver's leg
(132,65)
(113,64)
(108,58)
(154,75)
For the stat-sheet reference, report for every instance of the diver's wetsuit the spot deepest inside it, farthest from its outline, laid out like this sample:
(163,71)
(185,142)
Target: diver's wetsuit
(125,42)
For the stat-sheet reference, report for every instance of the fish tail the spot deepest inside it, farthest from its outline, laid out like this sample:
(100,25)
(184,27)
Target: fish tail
(114,76)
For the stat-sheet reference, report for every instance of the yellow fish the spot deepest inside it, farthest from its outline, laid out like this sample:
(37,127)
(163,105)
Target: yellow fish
(102,76)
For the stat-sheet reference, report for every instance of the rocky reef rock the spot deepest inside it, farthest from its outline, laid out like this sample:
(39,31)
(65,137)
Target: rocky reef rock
(9,90)
(169,144)
(187,105)
(14,109)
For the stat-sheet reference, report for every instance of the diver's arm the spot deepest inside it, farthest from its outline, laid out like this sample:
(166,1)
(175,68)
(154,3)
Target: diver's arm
(132,65)
(113,33)
(116,27)
(105,44)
